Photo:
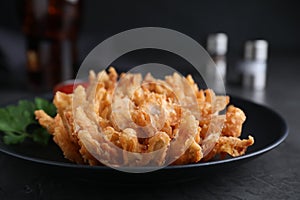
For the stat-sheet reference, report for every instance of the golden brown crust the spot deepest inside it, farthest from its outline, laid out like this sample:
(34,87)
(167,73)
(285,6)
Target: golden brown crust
(60,135)
(64,141)
(45,121)
(88,125)
(192,155)
(235,118)
(232,146)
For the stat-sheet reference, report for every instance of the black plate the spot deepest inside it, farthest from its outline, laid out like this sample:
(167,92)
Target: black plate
(265,125)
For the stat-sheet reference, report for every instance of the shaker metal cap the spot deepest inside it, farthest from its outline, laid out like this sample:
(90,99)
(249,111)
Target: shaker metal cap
(217,43)
(256,50)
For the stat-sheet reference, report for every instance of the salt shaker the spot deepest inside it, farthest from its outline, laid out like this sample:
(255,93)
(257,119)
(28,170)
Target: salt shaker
(216,70)
(253,69)
(217,48)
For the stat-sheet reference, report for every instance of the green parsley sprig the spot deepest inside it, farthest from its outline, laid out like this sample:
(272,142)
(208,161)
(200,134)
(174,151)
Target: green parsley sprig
(18,122)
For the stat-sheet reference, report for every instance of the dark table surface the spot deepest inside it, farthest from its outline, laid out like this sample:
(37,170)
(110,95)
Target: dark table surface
(274,175)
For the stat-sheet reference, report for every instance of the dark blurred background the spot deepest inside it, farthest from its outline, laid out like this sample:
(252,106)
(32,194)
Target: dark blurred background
(275,21)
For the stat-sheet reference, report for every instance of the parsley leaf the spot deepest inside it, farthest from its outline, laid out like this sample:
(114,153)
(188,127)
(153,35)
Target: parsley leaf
(12,138)
(15,121)
(43,104)
(41,136)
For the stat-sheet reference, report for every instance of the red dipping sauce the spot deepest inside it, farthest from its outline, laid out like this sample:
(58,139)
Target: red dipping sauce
(69,86)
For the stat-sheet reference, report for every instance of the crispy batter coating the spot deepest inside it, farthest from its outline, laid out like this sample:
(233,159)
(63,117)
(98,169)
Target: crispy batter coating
(192,155)
(232,146)
(160,119)
(45,120)
(60,136)
(235,118)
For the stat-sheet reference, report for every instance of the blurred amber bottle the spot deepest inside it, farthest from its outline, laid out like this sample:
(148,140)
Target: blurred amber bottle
(51,29)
